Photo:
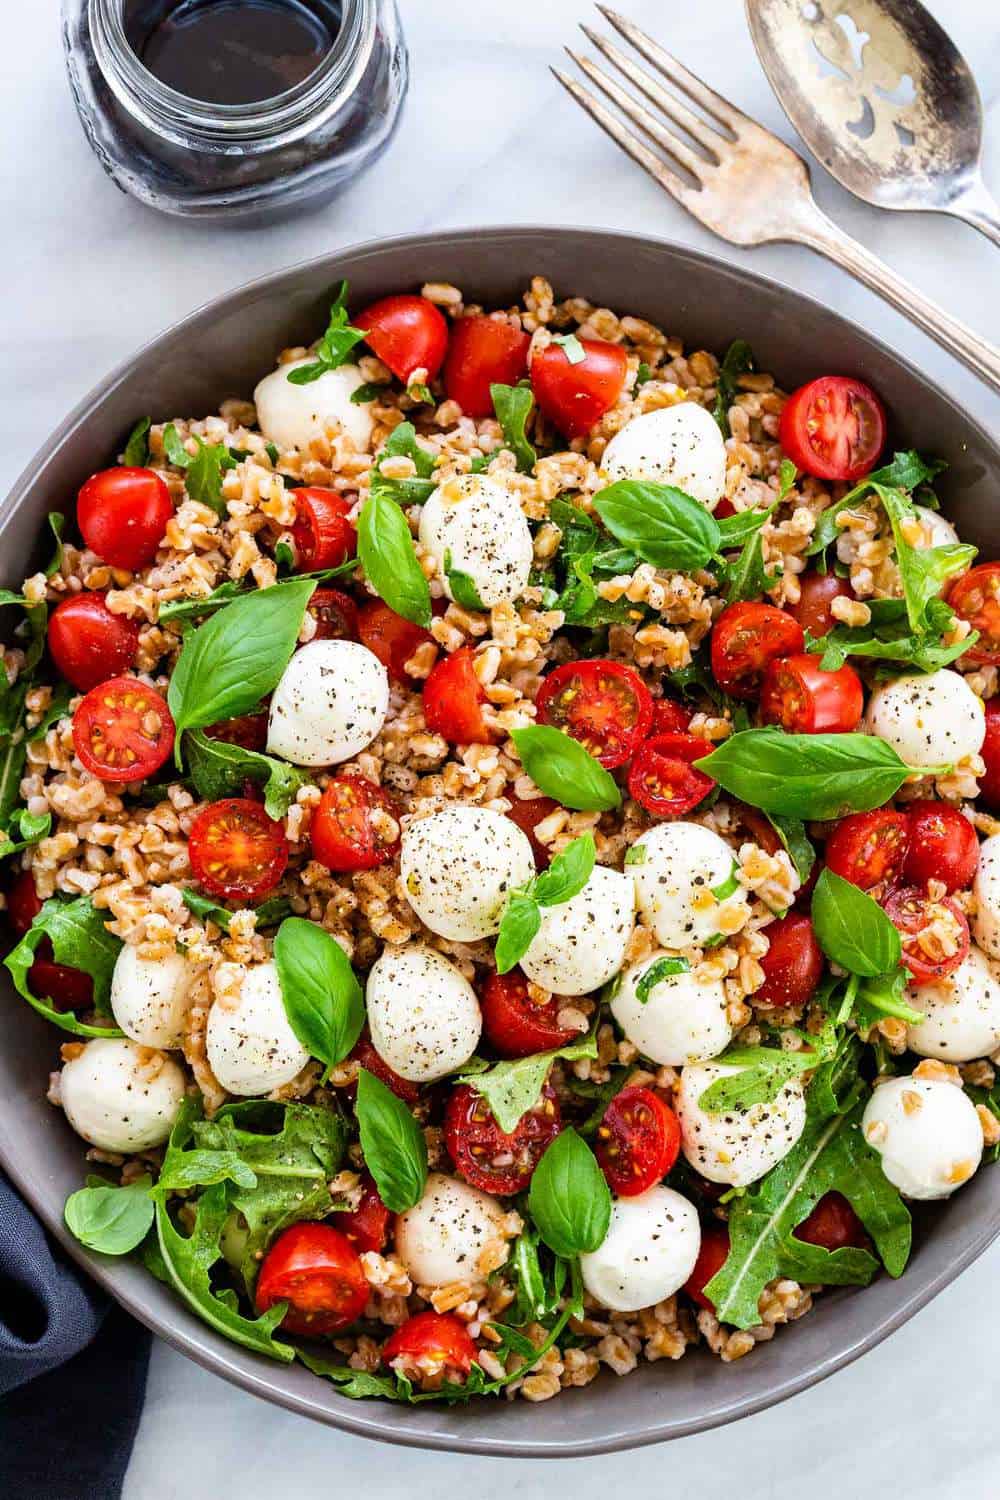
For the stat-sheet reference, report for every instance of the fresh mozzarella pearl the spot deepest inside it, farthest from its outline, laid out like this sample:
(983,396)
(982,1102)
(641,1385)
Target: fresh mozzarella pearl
(679,445)
(251,1047)
(648,1252)
(680,866)
(962,1012)
(423,1013)
(929,719)
(582,942)
(149,997)
(737,1145)
(937,530)
(682,1020)
(475,525)
(330,704)
(442,1239)
(986,888)
(120,1096)
(458,867)
(291,416)
(927,1133)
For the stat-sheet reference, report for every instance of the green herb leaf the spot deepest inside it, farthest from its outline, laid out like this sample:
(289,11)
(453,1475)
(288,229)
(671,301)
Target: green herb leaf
(764,1071)
(113,1220)
(392,1143)
(57,525)
(174,448)
(568,873)
(792,833)
(322,996)
(787,475)
(907,471)
(370,391)
(334,348)
(518,928)
(203,477)
(883,995)
(659,523)
(80,939)
(561,768)
(746,576)
(659,969)
(571,347)
(512,404)
(738,360)
(386,552)
(852,929)
(219,769)
(186,609)
(463,588)
(642,374)
(512,1088)
(268,914)
(569,1198)
(888,637)
(136,455)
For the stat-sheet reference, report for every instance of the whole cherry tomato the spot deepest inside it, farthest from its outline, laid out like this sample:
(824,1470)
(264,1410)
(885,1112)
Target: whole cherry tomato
(392,639)
(833,1225)
(817,593)
(576,395)
(407,333)
(662,778)
(833,428)
(515,1025)
(793,963)
(122,514)
(438,1338)
(527,813)
(365,1056)
(88,644)
(943,846)
(323,536)
(976,597)
(237,852)
(492,1159)
(336,615)
(802,698)
(483,352)
(603,704)
(355,826)
(712,1257)
(935,934)
(989,785)
(367,1226)
(745,639)
(249,731)
(637,1141)
(454,698)
(869,848)
(123,730)
(64,988)
(318,1272)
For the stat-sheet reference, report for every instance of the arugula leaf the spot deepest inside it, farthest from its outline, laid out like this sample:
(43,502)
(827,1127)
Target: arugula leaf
(906,471)
(581,557)
(852,929)
(738,360)
(787,475)
(402,442)
(569,1198)
(392,1143)
(565,878)
(386,552)
(136,454)
(112,1220)
(186,1166)
(219,769)
(881,996)
(561,768)
(23,830)
(268,914)
(538,1292)
(888,637)
(513,1087)
(659,969)
(746,576)
(661,524)
(512,404)
(742,527)
(80,939)
(922,571)
(764,1071)
(57,525)
(334,348)
(203,477)
(186,609)
(320,990)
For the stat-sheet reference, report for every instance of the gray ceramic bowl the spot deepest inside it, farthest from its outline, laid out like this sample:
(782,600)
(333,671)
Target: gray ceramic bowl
(223,350)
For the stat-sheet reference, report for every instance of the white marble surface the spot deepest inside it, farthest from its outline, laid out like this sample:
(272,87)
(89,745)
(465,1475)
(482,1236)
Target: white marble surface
(489,136)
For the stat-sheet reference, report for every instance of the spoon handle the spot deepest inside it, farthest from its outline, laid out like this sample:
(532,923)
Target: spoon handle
(979,208)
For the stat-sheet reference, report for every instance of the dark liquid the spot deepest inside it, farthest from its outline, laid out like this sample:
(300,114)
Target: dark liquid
(232,51)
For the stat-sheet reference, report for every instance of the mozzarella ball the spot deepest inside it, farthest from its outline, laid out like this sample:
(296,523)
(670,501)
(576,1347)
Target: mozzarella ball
(737,1146)
(475,525)
(986,889)
(927,1133)
(291,416)
(150,997)
(120,1096)
(423,1013)
(648,1252)
(930,719)
(679,445)
(681,1020)
(442,1239)
(937,530)
(680,865)
(582,942)
(961,1012)
(459,866)
(251,1047)
(330,704)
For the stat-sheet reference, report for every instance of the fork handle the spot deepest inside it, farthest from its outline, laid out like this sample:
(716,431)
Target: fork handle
(821,234)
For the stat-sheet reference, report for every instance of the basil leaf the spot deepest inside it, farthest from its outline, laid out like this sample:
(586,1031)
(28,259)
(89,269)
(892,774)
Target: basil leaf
(571,347)
(402,443)
(57,525)
(386,552)
(268,914)
(80,939)
(852,929)
(741,527)
(659,969)
(463,589)
(392,1144)
(792,833)
(370,391)
(219,769)
(512,404)
(203,477)
(334,347)
(568,873)
(787,475)
(661,524)
(136,455)
(561,768)
(184,609)
(642,374)
(112,1220)
(319,988)
(738,360)
(518,927)
(569,1198)
(512,1088)
(174,448)
(883,996)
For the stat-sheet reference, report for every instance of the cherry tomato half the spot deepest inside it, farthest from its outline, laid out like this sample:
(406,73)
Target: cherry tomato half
(637,1141)
(712,1257)
(88,643)
(516,1025)
(833,1225)
(249,731)
(392,639)
(662,778)
(483,351)
(989,785)
(669,717)
(935,934)
(793,963)
(817,593)
(356,825)
(365,1056)
(63,987)
(603,704)
(123,730)
(868,848)
(336,615)
(454,698)
(745,639)
(527,813)
(122,514)
(976,597)
(236,850)
(318,1272)
(367,1226)
(802,698)
(833,428)
(323,536)
(575,396)
(440,1339)
(943,846)
(486,1156)
(407,333)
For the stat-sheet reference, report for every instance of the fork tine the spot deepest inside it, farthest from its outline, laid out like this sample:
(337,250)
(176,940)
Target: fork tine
(629,143)
(706,135)
(713,103)
(641,116)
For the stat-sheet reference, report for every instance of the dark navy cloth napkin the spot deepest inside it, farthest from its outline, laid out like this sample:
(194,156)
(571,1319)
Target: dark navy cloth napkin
(72,1371)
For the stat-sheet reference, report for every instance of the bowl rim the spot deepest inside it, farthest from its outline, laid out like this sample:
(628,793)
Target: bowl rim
(373,1419)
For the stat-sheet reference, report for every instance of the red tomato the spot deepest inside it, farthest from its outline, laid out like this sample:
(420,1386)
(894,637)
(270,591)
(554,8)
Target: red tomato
(483,352)
(122,514)
(527,814)
(336,615)
(574,397)
(724,509)
(486,1156)
(454,698)
(669,717)
(802,698)
(833,1225)
(407,333)
(943,846)
(916,915)
(868,848)
(637,1141)
(745,639)
(603,704)
(88,643)
(63,987)
(662,778)
(392,639)
(976,597)
(318,1272)
(514,1023)
(761,829)
(367,1226)
(356,825)
(989,785)
(834,428)
(712,1257)
(440,1338)
(818,591)
(365,1056)
(123,730)
(23,903)
(323,536)
(249,731)
(236,850)
(793,963)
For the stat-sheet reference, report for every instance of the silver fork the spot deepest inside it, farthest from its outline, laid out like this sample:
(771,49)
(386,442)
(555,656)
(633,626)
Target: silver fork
(740,180)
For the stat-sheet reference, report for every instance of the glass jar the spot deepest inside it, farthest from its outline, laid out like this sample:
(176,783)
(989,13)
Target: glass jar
(246,162)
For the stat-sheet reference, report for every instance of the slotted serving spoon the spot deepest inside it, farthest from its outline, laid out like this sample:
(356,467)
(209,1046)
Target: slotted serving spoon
(883,98)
